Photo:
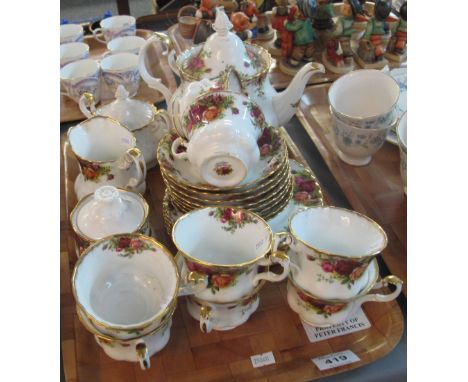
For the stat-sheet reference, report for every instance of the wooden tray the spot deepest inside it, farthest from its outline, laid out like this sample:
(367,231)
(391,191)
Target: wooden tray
(219,356)
(375,190)
(69,110)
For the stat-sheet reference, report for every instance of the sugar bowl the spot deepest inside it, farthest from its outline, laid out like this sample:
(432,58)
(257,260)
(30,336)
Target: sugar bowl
(108,211)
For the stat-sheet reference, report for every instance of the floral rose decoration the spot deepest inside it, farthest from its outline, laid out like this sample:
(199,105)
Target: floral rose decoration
(327,266)
(222,280)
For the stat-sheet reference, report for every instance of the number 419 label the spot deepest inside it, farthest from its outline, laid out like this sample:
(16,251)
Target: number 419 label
(333,360)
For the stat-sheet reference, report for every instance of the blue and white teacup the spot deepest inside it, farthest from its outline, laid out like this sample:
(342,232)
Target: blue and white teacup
(73,51)
(120,69)
(365,99)
(355,146)
(115,26)
(80,77)
(71,33)
(126,44)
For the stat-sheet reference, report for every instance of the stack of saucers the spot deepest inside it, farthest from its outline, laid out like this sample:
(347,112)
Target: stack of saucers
(306,192)
(266,190)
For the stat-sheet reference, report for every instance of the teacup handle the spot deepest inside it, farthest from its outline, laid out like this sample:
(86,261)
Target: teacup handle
(193,283)
(95,32)
(393,280)
(278,256)
(143,355)
(179,142)
(87,101)
(135,156)
(154,83)
(206,319)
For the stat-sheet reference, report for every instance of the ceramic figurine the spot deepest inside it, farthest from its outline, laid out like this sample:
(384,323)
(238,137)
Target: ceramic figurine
(303,45)
(240,22)
(206,14)
(249,8)
(323,20)
(279,16)
(370,54)
(264,29)
(338,55)
(396,49)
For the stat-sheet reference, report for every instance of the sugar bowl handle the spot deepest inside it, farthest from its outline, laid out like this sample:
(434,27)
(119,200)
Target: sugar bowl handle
(282,240)
(192,283)
(175,146)
(143,355)
(87,105)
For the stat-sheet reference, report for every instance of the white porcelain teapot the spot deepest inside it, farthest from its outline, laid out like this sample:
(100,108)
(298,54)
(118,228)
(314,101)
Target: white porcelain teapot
(222,52)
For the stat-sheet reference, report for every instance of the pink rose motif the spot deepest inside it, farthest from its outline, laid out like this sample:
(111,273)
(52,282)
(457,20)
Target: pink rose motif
(327,267)
(265,138)
(301,196)
(345,267)
(307,186)
(266,149)
(239,217)
(135,244)
(298,180)
(227,215)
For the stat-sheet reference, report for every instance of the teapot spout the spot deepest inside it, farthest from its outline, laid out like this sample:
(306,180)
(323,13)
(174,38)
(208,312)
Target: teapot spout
(285,103)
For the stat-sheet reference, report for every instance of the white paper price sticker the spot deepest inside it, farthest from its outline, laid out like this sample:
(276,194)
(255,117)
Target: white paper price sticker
(333,360)
(354,324)
(264,359)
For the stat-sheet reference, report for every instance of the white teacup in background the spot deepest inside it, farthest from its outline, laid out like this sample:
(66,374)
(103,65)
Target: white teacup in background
(115,26)
(71,33)
(80,77)
(402,144)
(126,44)
(365,99)
(120,69)
(73,51)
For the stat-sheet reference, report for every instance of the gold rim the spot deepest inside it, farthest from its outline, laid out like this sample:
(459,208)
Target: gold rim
(281,152)
(264,197)
(363,118)
(366,290)
(84,200)
(102,117)
(143,324)
(249,193)
(91,328)
(239,265)
(330,255)
(265,55)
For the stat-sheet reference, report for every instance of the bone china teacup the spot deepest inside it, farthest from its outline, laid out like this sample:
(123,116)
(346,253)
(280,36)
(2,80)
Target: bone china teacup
(107,154)
(126,286)
(365,98)
(227,248)
(71,33)
(120,69)
(331,250)
(82,76)
(115,26)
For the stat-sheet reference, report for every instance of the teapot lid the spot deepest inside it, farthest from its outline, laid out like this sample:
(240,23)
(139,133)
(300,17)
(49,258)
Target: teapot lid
(131,113)
(222,50)
(107,212)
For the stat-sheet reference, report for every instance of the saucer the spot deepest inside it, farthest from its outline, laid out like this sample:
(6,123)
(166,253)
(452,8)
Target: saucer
(182,172)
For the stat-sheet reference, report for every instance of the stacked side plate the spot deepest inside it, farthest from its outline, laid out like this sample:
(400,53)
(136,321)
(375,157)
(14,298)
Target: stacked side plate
(266,190)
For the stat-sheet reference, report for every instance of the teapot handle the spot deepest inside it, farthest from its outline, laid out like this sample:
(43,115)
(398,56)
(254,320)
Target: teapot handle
(87,101)
(154,83)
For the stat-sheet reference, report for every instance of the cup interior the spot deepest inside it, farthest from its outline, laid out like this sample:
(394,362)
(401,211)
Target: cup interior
(338,231)
(222,236)
(117,21)
(69,30)
(126,43)
(402,130)
(125,291)
(100,139)
(119,62)
(79,69)
(363,94)
(73,49)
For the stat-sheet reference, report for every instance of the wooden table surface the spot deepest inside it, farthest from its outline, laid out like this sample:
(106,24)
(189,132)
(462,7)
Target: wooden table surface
(218,356)
(375,190)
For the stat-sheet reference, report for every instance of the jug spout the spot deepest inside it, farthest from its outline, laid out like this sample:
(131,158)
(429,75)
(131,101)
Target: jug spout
(285,103)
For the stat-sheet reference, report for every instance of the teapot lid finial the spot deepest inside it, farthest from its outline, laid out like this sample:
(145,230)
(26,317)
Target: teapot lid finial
(121,92)
(222,25)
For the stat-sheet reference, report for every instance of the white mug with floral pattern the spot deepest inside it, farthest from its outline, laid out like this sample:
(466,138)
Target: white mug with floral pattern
(107,154)
(331,249)
(115,26)
(231,250)
(323,313)
(225,316)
